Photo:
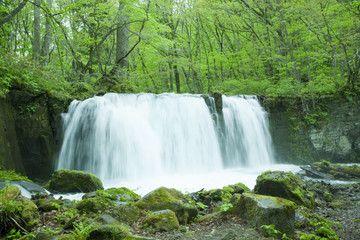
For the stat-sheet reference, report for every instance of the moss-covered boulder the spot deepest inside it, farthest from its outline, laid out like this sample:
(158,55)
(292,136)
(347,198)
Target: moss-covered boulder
(172,199)
(108,231)
(47,205)
(122,194)
(129,213)
(285,185)
(30,213)
(94,205)
(164,220)
(239,188)
(9,193)
(71,181)
(261,210)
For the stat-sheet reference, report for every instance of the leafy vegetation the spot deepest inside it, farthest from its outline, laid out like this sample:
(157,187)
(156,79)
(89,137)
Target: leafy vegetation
(321,227)
(297,48)
(11,175)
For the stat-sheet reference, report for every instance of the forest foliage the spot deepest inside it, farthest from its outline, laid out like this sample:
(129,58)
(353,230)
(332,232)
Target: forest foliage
(267,47)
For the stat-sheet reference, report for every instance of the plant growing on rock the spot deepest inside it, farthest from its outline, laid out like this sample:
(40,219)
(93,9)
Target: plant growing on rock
(321,227)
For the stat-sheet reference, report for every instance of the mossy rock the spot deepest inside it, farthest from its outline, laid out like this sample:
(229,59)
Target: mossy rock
(239,188)
(172,199)
(209,217)
(122,194)
(12,176)
(285,185)
(261,210)
(30,213)
(164,220)
(337,171)
(71,181)
(129,213)
(322,190)
(47,205)
(93,205)
(108,232)
(223,195)
(9,193)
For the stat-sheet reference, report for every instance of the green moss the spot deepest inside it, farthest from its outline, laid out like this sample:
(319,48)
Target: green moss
(285,185)
(208,217)
(108,231)
(47,205)
(278,201)
(338,171)
(172,199)
(12,176)
(68,181)
(321,227)
(30,214)
(9,193)
(164,220)
(129,213)
(121,194)
(239,188)
(94,204)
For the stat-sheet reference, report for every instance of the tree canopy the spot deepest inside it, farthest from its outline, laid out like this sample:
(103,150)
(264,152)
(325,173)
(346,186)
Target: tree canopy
(270,47)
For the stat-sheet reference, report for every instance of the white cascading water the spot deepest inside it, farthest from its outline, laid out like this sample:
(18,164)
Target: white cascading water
(123,138)
(246,135)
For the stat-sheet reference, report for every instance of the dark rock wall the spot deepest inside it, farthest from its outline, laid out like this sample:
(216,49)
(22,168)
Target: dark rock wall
(10,157)
(30,123)
(325,128)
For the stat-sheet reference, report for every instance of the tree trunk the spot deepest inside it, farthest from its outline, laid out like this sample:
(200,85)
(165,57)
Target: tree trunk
(45,48)
(36,39)
(122,44)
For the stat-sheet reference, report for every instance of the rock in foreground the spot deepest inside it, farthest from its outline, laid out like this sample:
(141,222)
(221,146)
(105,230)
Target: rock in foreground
(265,210)
(71,181)
(285,185)
(172,199)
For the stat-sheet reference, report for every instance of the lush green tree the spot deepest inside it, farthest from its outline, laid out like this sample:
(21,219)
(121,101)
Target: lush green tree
(276,47)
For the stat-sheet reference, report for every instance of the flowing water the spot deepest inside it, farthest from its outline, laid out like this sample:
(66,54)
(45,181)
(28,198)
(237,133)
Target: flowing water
(146,141)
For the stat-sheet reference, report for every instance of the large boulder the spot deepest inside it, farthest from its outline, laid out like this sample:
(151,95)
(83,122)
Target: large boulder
(128,213)
(48,204)
(261,210)
(119,195)
(284,185)
(94,205)
(172,199)
(164,220)
(71,181)
(107,231)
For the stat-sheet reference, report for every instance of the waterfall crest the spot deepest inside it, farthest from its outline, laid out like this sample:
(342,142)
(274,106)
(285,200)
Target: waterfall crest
(131,136)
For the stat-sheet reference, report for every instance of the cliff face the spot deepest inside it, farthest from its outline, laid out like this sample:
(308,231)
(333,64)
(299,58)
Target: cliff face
(326,128)
(28,127)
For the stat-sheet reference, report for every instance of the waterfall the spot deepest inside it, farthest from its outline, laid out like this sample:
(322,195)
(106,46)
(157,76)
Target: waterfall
(131,136)
(247,140)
